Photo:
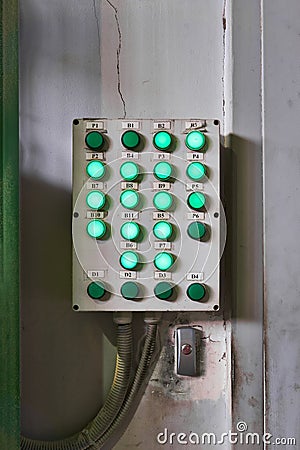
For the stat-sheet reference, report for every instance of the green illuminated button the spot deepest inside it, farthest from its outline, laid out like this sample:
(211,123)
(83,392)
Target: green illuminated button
(130,139)
(196,230)
(195,140)
(163,261)
(130,230)
(94,140)
(162,230)
(95,169)
(96,290)
(95,199)
(164,290)
(195,171)
(162,140)
(130,290)
(162,171)
(162,200)
(96,229)
(129,260)
(196,292)
(129,199)
(196,200)
(129,171)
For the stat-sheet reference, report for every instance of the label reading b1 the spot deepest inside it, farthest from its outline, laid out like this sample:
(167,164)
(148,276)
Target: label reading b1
(131,125)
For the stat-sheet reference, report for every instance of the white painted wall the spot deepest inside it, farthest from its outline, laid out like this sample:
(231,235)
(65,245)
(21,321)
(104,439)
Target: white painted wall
(177,58)
(281,99)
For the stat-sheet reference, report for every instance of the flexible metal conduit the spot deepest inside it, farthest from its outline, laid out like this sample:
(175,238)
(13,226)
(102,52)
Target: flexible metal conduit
(90,435)
(147,354)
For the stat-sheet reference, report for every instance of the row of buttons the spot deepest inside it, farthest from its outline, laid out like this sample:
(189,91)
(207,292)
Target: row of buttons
(163,291)
(132,140)
(163,171)
(131,230)
(130,199)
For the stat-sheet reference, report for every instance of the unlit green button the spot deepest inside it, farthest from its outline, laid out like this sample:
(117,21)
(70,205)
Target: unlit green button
(164,290)
(130,290)
(196,292)
(95,169)
(96,290)
(130,139)
(196,200)
(94,140)
(196,230)
(162,201)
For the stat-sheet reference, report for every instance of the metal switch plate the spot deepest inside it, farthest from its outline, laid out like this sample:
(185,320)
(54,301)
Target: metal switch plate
(186,351)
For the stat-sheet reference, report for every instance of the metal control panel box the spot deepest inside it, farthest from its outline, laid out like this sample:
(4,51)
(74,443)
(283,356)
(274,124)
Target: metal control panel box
(146,215)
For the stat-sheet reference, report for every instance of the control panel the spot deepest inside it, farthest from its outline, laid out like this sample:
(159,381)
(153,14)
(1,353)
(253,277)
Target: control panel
(146,215)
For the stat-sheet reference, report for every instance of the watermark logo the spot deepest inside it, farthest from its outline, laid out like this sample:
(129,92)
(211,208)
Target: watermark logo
(239,436)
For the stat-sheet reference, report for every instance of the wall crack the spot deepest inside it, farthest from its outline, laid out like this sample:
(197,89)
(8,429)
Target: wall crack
(98,31)
(118,57)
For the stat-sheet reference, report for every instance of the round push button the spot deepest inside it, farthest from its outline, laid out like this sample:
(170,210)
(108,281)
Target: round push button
(95,170)
(129,199)
(162,140)
(163,261)
(95,200)
(130,231)
(196,292)
(162,230)
(196,200)
(164,290)
(196,230)
(96,229)
(130,290)
(163,171)
(195,140)
(96,290)
(94,140)
(196,171)
(162,200)
(129,260)
(130,139)
(129,171)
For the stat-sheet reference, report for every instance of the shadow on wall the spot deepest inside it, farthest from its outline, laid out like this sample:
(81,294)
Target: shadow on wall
(62,351)
(243,182)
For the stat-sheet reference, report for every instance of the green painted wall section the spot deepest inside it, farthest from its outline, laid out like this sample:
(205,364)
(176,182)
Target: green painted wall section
(9,228)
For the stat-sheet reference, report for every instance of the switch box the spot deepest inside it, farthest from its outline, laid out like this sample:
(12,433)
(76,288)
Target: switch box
(146,214)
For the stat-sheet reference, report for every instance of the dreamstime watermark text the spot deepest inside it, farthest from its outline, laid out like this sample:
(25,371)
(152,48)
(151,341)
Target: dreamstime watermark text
(240,436)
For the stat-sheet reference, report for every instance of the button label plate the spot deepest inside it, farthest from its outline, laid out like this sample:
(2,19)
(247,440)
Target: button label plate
(127,274)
